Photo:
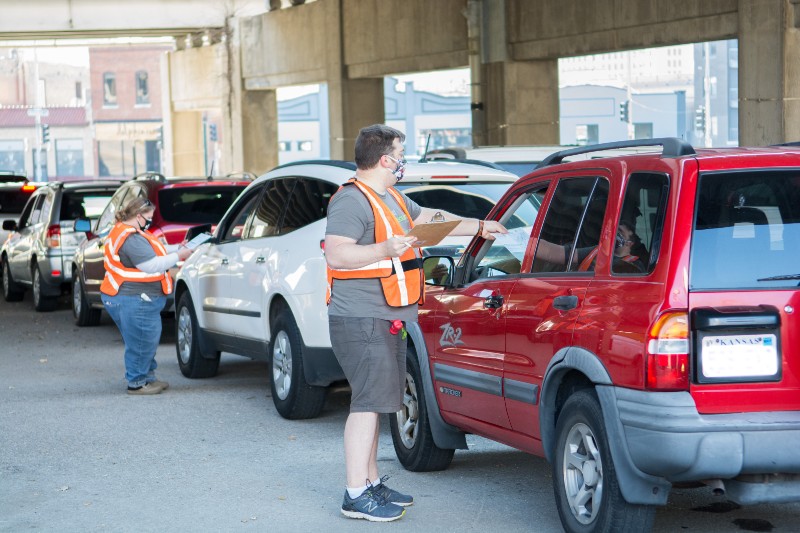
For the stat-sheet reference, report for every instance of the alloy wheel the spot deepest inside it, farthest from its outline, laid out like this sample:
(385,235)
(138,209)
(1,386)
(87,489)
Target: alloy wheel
(408,415)
(582,469)
(282,364)
(184,334)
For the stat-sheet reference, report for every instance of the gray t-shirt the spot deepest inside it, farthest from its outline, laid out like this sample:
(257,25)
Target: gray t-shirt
(350,215)
(135,251)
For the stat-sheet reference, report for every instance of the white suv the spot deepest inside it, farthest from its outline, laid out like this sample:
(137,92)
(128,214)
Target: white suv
(258,287)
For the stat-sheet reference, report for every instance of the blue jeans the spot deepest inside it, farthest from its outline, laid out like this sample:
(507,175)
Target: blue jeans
(139,322)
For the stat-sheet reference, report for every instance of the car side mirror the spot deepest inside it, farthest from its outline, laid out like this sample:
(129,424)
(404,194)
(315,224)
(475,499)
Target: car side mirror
(10,225)
(82,225)
(438,270)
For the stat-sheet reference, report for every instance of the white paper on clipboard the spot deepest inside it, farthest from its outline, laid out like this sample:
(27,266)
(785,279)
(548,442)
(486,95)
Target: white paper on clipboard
(198,240)
(432,233)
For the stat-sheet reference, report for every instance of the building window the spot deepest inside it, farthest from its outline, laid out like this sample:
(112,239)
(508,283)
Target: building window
(78,90)
(69,157)
(587,134)
(12,156)
(284,146)
(643,130)
(304,146)
(109,89)
(142,88)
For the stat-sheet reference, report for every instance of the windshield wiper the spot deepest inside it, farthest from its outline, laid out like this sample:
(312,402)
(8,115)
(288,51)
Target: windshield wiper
(780,278)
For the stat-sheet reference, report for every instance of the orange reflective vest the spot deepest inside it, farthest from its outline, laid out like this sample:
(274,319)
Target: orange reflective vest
(401,277)
(117,273)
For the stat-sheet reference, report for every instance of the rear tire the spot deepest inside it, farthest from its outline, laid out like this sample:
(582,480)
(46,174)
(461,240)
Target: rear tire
(187,343)
(411,429)
(293,397)
(12,292)
(41,302)
(586,487)
(84,314)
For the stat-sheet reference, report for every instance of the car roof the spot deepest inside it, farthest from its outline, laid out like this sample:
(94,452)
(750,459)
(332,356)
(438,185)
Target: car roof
(416,172)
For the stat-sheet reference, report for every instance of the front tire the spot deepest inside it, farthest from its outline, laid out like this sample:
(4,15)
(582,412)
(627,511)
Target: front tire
(41,302)
(411,428)
(187,343)
(293,397)
(586,487)
(84,314)
(12,291)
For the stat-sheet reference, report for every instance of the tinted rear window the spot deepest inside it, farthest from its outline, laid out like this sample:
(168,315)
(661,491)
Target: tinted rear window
(471,200)
(198,205)
(83,204)
(746,231)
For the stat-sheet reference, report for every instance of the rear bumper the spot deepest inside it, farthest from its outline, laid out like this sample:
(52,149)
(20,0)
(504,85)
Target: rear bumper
(667,437)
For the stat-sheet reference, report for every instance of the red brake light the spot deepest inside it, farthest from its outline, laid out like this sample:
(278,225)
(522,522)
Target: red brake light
(28,187)
(54,236)
(668,352)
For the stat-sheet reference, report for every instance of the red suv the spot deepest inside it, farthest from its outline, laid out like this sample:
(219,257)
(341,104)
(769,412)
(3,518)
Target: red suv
(181,203)
(636,327)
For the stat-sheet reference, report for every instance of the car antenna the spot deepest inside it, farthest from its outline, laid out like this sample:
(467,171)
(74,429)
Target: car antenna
(211,170)
(424,158)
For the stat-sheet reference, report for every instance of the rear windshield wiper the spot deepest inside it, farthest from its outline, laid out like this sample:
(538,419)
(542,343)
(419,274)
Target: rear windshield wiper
(780,278)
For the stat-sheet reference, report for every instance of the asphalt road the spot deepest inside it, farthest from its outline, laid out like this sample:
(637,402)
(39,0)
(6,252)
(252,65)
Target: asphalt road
(77,454)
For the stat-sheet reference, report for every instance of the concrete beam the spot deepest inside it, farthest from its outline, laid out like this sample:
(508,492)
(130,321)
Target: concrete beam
(101,18)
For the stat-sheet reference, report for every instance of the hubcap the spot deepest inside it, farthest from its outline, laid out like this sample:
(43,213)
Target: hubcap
(184,335)
(282,365)
(36,288)
(408,415)
(583,473)
(76,296)
(6,280)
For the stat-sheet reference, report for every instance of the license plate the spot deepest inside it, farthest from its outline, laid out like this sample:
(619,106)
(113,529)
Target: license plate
(739,356)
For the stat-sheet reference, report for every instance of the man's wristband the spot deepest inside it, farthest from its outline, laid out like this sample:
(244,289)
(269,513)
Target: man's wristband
(480,227)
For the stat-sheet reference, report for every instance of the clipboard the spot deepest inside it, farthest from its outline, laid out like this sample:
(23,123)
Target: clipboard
(198,240)
(431,233)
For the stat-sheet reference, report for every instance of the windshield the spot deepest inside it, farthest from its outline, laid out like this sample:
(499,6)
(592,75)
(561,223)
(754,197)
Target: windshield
(468,200)
(746,231)
(196,205)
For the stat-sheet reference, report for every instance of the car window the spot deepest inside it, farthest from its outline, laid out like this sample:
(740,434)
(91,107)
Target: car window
(26,212)
(196,205)
(267,218)
(468,200)
(641,224)
(83,204)
(107,219)
(244,208)
(504,255)
(746,231)
(36,213)
(571,232)
(307,203)
(47,206)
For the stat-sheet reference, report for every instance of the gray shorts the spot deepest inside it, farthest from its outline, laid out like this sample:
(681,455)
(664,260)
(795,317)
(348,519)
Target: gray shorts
(373,360)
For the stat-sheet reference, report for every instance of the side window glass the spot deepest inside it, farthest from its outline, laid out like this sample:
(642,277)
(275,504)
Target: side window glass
(273,200)
(641,224)
(308,203)
(564,245)
(36,214)
(235,228)
(106,219)
(47,204)
(25,217)
(504,255)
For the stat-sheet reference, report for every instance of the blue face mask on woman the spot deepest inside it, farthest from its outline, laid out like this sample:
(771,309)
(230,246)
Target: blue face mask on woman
(401,167)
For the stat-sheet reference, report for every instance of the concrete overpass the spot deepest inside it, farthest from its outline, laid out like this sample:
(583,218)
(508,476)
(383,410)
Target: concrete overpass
(511,47)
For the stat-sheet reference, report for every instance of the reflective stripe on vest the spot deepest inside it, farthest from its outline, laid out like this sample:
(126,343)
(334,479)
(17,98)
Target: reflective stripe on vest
(399,289)
(117,273)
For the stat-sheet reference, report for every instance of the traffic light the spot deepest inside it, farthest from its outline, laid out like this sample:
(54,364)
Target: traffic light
(45,133)
(212,132)
(700,118)
(624,110)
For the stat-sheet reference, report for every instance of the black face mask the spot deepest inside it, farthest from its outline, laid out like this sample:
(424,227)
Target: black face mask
(147,222)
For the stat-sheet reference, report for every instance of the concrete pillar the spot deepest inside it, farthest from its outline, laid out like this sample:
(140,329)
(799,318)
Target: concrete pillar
(187,143)
(353,104)
(769,71)
(259,130)
(521,102)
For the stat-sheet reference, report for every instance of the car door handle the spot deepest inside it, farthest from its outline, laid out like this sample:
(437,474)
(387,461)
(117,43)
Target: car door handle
(565,303)
(224,261)
(260,259)
(493,301)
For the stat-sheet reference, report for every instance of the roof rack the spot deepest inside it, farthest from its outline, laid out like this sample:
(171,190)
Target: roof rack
(480,162)
(150,175)
(348,165)
(672,147)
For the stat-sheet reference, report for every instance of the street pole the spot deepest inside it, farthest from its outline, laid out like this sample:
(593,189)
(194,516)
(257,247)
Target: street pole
(37,166)
(707,141)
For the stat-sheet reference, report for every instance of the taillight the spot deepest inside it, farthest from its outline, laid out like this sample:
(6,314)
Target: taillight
(28,188)
(54,236)
(668,352)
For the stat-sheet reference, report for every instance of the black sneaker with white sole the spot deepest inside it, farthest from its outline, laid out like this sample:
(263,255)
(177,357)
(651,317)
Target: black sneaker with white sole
(370,506)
